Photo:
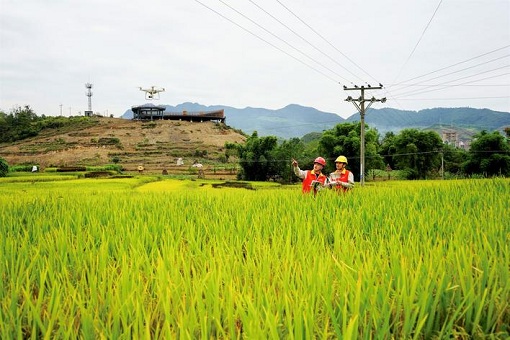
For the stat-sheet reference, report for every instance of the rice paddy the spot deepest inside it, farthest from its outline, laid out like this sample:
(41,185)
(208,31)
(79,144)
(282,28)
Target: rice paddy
(160,259)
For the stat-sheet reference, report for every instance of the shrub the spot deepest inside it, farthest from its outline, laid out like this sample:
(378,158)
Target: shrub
(4,167)
(21,168)
(96,174)
(108,141)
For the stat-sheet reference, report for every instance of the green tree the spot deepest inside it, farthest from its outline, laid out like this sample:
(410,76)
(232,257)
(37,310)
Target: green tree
(489,155)
(344,139)
(387,149)
(21,123)
(230,150)
(4,167)
(284,153)
(4,127)
(310,150)
(257,158)
(453,159)
(417,153)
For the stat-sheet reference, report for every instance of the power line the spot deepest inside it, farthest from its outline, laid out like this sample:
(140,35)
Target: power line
(443,86)
(447,86)
(267,42)
(285,160)
(394,96)
(458,98)
(318,34)
(464,69)
(305,40)
(447,82)
(282,40)
(453,65)
(287,43)
(330,72)
(484,85)
(419,40)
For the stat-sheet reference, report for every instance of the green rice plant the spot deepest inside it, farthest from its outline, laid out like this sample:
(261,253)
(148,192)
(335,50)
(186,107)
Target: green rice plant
(36,178)
(146,257)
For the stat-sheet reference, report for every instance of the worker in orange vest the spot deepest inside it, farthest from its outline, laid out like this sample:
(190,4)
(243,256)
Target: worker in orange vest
(342,179)
(313,180)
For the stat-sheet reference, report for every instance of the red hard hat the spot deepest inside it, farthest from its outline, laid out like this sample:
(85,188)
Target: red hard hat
(320,160)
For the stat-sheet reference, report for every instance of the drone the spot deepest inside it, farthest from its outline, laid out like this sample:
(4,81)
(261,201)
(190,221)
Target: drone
(152,92)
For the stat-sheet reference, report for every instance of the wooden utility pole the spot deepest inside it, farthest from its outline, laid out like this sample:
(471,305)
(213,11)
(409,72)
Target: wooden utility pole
(359,103)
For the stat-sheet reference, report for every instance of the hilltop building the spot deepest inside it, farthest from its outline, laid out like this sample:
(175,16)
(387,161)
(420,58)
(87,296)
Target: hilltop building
(154,112)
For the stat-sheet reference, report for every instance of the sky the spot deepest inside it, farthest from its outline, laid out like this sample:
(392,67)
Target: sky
(254,53)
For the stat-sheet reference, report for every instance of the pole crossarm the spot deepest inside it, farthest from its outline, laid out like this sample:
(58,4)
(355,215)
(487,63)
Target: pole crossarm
(359,103)
(362,87)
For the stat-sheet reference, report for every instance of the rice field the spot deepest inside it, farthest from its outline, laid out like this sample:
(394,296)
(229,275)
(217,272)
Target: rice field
(161,259)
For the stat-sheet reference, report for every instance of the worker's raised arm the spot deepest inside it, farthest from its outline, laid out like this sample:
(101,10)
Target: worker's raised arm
(297,171)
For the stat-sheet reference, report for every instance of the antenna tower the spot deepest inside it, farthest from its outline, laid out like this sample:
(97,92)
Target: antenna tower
(88,86)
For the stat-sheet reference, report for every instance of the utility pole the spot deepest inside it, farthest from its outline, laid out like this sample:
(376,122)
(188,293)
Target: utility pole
(442,164)
(359,103)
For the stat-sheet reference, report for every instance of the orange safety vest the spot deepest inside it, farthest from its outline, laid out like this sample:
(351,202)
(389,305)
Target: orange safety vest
(343,177)
(310,177)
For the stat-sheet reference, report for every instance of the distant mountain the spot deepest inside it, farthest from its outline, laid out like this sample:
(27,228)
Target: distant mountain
(296,121)
(291,121)
(388,119)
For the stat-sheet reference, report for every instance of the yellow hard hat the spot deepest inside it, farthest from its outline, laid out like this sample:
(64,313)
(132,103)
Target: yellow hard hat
(341,159)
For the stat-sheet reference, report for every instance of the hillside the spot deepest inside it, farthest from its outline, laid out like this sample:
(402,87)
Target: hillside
(155,145)
(297,121)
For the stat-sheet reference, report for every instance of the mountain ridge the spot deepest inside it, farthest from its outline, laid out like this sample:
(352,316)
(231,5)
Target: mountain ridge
(295,120)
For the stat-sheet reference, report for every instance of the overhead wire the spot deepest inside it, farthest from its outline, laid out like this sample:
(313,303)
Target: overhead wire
(327,41)
(388,92)
(282,40)
(302,38)
(334,47)
(453,65)
(414,92)
(441,86)
(458,98)
(287,43)
(401,96)
(266,41)
(352,157)
(471,85)
(419,40)
(461,70)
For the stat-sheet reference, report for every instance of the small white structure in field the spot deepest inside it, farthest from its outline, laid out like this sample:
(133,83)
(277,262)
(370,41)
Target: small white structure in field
(197,165)
(180,161)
